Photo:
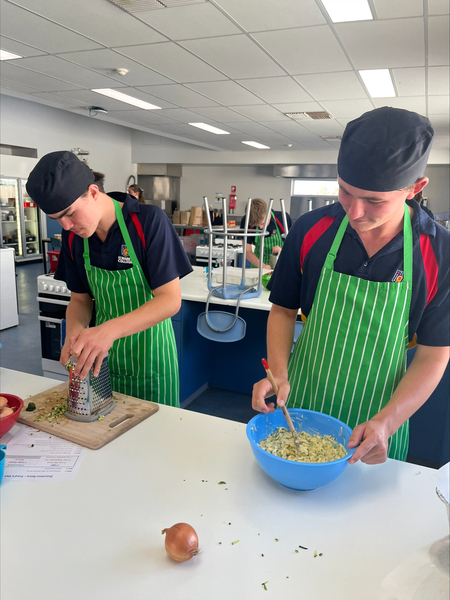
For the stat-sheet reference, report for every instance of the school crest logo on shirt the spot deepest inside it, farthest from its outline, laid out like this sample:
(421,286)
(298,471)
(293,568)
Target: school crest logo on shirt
(124,257)
(398,277)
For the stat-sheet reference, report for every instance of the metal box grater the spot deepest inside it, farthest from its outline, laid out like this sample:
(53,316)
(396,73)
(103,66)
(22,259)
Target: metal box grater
(89,398)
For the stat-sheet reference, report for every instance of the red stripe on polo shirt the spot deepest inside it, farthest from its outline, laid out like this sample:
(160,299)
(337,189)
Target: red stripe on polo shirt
(71,236)
(430,266)
(138,226)
(313,235)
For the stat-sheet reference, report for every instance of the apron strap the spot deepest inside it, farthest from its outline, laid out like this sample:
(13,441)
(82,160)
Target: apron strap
(277,221)
(407,245)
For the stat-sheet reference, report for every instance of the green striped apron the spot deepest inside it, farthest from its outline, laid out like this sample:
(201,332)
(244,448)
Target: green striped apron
(351,354)
(145,364)
(269,242)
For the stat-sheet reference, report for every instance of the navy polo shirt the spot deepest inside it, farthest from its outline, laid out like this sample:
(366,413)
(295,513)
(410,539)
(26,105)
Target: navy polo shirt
(271,227)
(294,281)
(162,260)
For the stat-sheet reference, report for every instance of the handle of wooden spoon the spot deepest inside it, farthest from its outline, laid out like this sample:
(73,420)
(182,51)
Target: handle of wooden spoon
(283,408)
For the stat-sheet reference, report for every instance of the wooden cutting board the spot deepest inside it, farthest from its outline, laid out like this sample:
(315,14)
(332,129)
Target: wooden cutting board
(127,413)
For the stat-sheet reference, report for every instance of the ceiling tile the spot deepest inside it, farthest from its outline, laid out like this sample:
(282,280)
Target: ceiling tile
(261,113)
(18,48)
(181,114)
(59,99)
(438,81)
(438,41)
(97,19)
(416,104)
(19,24)
(409,82)
(264,15)
(237,56)
(317,144)
(441,123)
(221,114)
(151,117)
(138,93)
(298,107)
(438,7)
(251,128)
(384,44)
(190,22)
(306,50)
(226,92)
(5,84)
(66,71)
(36,80)
(386,9)
(174,62)
(438,105)
(106,61)
(179,95)
(321,128)
(284,127)
(347,108)
(89,98)
(272,139)
(333,86)
(276,89)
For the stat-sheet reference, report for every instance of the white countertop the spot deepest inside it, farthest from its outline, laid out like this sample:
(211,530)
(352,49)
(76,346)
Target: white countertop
(195,287)
(98,537)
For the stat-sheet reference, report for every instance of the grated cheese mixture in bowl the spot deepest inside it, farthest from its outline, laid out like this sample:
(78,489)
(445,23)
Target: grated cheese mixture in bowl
(314,448)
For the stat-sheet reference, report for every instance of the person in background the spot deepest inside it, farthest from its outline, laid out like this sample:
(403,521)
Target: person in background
(111,254)
(371,275)
(273,243)
(137,192)
(419,199)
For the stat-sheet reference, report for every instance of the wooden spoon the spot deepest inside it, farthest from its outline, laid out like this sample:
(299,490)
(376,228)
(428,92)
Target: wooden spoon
(283,408)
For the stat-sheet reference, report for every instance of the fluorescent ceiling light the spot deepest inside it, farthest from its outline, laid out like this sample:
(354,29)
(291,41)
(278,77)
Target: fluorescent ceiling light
(210,128)
(348,10)
(8,55)
(126,98)
(257,145)
(379,83)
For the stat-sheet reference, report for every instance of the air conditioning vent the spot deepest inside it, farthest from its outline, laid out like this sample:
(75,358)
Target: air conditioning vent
(137,6)
(331,137)
(302,116)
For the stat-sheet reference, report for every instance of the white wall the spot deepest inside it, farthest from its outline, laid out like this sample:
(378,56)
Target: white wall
(251,181)
(438,189)
(49,129)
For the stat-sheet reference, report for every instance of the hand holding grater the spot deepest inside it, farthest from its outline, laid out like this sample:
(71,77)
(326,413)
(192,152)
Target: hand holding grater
(89,398)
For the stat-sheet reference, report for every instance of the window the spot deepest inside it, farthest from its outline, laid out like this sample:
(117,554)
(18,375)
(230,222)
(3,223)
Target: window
(315,187)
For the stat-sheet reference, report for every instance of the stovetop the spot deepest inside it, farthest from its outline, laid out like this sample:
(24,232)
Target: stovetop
(47,284)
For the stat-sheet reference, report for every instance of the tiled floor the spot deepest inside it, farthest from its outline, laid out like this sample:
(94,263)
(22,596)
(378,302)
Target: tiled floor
(21,350)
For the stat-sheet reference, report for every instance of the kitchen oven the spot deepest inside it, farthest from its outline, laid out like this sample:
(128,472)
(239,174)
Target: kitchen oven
(53,299)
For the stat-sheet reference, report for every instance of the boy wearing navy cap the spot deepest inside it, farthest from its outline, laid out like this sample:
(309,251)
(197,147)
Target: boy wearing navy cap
(112,252)
(371,276)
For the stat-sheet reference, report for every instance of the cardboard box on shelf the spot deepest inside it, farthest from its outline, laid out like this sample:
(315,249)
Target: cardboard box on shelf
(185,217)
(196,216)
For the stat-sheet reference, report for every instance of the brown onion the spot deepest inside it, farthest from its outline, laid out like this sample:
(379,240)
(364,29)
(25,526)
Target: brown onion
(181,542)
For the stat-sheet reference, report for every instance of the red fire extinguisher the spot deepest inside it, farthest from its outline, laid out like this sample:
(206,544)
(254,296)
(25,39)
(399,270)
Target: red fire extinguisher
(232,198)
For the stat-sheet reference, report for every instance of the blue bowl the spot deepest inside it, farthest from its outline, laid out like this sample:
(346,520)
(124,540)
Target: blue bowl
(297,475)
(2,461)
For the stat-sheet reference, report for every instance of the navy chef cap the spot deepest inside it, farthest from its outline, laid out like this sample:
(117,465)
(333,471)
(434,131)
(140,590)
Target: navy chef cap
(57,180)
(385,149)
